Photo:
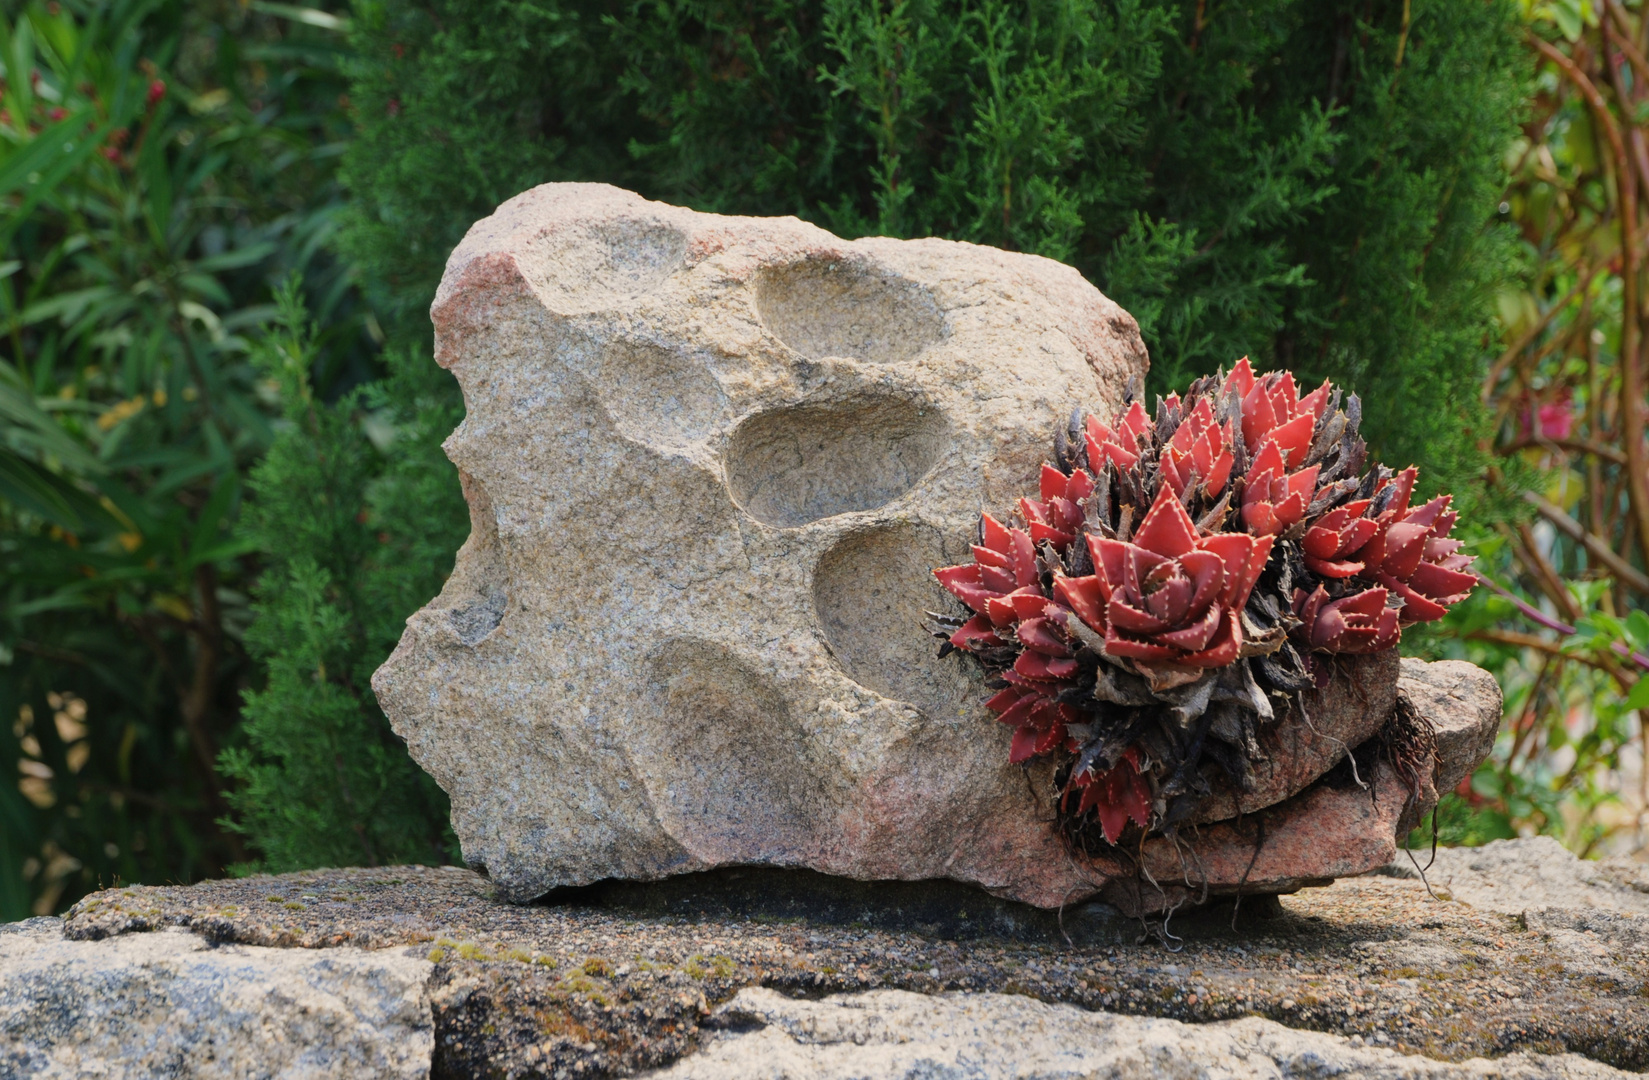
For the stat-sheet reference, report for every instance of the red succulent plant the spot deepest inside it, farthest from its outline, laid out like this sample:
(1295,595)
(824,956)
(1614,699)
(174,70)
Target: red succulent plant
(1169,596)
(1057,516)
(1411,554)
(1148,566)
(1272,409)
(1332,542)
(1199,449)
(1273,499)
(1003,572)
(1358,623)
(1117,795)
(1117,445)
(1038,720)
(1003,587)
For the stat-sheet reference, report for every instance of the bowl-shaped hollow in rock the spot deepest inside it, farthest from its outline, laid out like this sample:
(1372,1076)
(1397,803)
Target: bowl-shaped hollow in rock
(710,463)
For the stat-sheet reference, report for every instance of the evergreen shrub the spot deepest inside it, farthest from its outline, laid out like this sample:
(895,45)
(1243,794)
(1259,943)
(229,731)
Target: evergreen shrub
(322,780)
(1308,182)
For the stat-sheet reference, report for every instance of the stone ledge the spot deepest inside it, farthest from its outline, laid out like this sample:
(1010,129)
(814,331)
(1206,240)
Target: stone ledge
(1538,956)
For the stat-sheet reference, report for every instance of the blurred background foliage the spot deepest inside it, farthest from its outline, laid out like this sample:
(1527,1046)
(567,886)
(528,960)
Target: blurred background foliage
(161,163)
(1564,624)
(221,486)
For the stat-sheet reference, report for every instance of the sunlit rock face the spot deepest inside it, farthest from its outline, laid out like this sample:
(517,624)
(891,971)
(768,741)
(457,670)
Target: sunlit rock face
(710,462)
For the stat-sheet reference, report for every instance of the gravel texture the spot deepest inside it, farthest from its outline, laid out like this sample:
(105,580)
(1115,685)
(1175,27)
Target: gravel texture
(619,978)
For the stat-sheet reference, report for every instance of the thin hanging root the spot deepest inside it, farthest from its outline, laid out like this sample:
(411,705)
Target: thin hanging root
(1423,880)
(1185,871)
(1356,776)
(1259,842)
(1168,909)
(1203,873)
(1421,870)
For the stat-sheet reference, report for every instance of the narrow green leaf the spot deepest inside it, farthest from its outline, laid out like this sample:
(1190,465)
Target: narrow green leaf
(29,487)
(1637,628)
(1639,697)
(236,258)
(308,16)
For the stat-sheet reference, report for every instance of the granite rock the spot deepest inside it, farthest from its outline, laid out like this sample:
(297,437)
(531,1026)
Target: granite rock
(1462,703)
(1532,874)
(624,977)
(171,1004)
(710,464)
(895,1034)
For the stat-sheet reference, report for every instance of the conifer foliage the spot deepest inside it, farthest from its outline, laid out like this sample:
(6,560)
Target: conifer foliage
(1304,181)
(1297,179)
(321,778)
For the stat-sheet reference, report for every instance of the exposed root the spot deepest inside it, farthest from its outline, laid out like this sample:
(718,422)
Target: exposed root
(1259,842)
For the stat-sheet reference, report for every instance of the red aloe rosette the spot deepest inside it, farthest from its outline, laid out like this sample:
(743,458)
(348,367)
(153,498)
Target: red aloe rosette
(1168,599)
(1003,587)
(1407,552)
(1057,516)
(1332,542)
(1118,444)
(1199,452)
(1277,426)
(1003,571)
(1116,796)
(1237,527)
(1272,408)
(1358,623)
(1411,553)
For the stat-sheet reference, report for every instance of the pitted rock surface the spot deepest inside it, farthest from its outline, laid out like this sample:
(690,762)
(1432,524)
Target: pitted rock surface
(626,977)
(711,463)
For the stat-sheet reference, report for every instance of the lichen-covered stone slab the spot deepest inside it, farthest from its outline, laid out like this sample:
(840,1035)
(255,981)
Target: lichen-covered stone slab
(171,1004)
(1540,954)
(895,1033)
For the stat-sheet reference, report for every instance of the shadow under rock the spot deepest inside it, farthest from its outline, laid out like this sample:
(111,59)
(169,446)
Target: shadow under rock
(936,908)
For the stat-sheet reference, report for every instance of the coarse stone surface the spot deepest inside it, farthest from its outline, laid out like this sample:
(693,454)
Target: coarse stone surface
(1517,876)
(1312,736)
(622,977)
(897,1034)
(711,463)
(173,1004)
(1463,703)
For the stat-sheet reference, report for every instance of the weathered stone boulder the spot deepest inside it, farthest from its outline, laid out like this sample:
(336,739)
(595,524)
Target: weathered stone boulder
(710,464)
(1462,702)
